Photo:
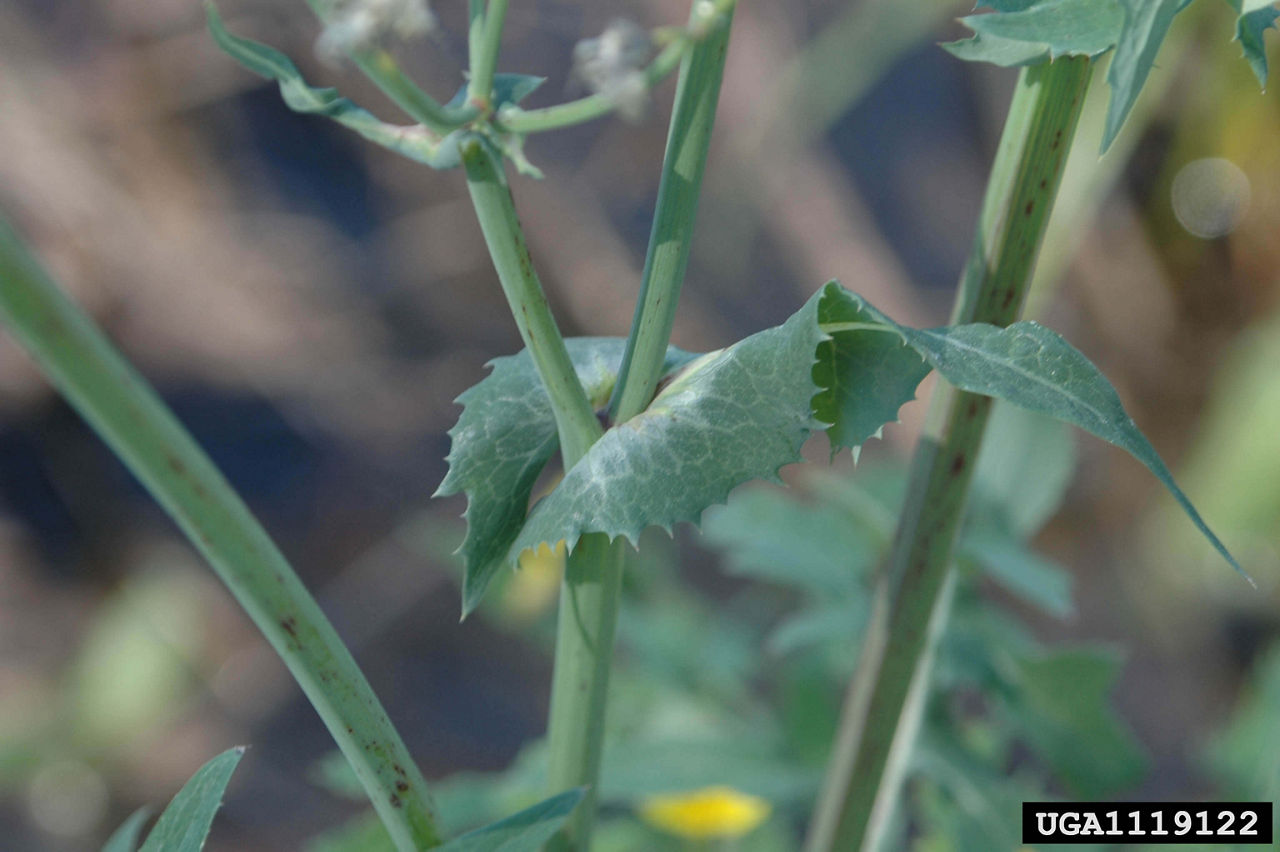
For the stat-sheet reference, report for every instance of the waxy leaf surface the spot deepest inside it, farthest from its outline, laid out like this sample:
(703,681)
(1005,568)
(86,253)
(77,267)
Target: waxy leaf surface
(184,825)
(731,416)
(503,440)
(1034,368)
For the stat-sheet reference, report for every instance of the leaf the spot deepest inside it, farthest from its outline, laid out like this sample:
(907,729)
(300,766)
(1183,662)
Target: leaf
(1036,580)
(502,441)
(125,838)
(771,536)
(1027,462)
(1255,19)
(1034,368)
(731,416)
(184,825)
(1030,32)
(1146,23)
(526,831)
(864,377)
(1065,713)
(1004,52)
(413,141)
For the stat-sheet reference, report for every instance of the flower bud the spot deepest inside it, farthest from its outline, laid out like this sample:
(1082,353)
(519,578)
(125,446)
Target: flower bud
(612,65)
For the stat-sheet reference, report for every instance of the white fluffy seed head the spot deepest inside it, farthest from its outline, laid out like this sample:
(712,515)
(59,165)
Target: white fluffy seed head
(363,24)
(612,65)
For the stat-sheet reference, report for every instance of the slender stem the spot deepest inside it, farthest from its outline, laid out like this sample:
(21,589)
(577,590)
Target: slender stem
(868,766)
(589,597)
(484,54)
(516,120)
(383,70)
(593,574)
(475,29)
(688,140)
(575,419)
(123,409)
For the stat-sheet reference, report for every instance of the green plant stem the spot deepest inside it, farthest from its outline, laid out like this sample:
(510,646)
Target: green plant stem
(593,574)
(882,710)
(382,69)
(516,120)
(484,54)
(689,137)
(588,617)
(123,409)
(575,419)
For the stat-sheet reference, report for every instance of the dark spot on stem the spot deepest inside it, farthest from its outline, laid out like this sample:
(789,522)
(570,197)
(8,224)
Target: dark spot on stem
(957,465)
(1031,205)
(395,801)
(290,625)
(402,786)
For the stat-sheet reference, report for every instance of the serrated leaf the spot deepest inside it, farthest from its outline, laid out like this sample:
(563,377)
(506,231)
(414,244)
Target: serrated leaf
(1064,702)
(526,831)
(864,376)
(1053,28)
(184,825)
(1255,18)
(413,141)
(1146,23)
(125,838)
(1034,368)
(731,416)
(505,437)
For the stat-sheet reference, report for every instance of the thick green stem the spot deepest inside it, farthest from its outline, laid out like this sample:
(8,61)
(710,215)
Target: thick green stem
(588,617)
(140,429)
(575,419)
(878,728)
(688,140)
(382,69)
(484,54)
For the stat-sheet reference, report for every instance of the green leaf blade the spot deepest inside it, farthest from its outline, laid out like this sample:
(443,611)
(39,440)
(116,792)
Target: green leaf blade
(526,831)
(863,375)
(184,825)
(503,439)
(1251,28)
(1035,368)
(738,414)
(1024,32)
(1146,23)
(125,838)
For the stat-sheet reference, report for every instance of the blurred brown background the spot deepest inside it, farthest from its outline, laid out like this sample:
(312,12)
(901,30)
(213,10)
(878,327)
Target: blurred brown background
(310,306)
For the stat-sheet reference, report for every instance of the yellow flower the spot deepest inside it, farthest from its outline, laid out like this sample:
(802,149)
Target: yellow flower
(707,813)
(532,591)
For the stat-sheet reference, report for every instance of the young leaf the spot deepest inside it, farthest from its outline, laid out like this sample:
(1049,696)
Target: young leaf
(505,437)
(1256,17)
(1034,368)
(125,838)
(526,831)
(184,825)
(731,416)
(413,141)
